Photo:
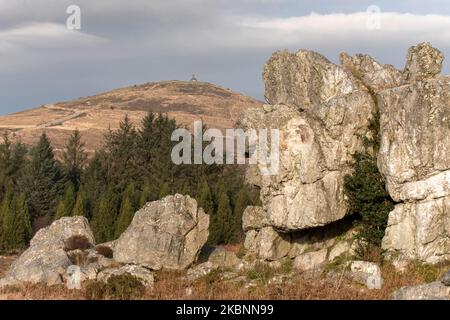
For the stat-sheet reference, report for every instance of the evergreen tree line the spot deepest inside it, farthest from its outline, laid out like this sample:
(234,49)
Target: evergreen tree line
(133,168)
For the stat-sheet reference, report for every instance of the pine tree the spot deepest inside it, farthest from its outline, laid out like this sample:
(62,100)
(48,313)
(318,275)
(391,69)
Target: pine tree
(164,190)
(5,213)
(5,162)
(94,180)
(221,231)
(80,208)
(18,224)
(74,158)
(104,216)
(127,210)
(204,198)
(121,155)
(42,181)
(67,202)
(148,194)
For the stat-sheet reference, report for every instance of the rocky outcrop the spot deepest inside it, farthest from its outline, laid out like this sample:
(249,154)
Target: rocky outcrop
(323,111)
(46,260)
(414,158)
(168,233)
(316,150)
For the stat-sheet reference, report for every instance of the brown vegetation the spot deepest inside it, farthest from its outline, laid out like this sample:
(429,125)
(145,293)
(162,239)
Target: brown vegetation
(173,285)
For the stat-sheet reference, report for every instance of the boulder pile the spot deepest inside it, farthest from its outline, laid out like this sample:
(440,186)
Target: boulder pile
(168,233)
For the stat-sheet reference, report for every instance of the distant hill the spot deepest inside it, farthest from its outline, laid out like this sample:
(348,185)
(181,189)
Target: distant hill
(185,101)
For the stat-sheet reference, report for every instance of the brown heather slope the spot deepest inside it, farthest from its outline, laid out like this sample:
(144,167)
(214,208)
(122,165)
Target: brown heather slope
(185,101)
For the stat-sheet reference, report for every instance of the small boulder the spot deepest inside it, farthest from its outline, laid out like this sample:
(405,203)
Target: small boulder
(446,279)
(429,291)
(367,273)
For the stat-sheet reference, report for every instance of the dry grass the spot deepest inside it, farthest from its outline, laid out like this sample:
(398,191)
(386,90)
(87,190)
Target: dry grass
(170,285)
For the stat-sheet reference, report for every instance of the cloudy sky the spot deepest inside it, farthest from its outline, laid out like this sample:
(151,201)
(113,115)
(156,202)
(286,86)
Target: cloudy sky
(125,42)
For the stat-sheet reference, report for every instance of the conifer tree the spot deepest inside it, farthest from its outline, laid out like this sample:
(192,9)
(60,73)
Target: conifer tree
(67,202)
(104,216)
(42,181)
(94,180)
(164,190)
(121,155)
(222,227)
(74,158)
(204,198)
(18,224)
(127,210)
(80,208)
(148,194)
(5,213)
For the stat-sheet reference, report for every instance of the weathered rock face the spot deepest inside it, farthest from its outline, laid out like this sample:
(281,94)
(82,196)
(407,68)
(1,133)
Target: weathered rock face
(46,261)
(309,249)
(423,62)
(316,145)
(415,140)
(304,79)
(419,231)
(414,159)
(168,233)
(316,150)
(375,76)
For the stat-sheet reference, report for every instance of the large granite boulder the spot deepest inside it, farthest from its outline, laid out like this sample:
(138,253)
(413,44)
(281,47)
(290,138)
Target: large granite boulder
(46,260)
(168,234)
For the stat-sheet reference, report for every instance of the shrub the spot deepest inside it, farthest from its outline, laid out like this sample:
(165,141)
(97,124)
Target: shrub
(95,290)
(286,265)
(261,272)
(212,277)
(77,242)
(118,287)
(105,251)
(367,194)
(124,287)
(424,271)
